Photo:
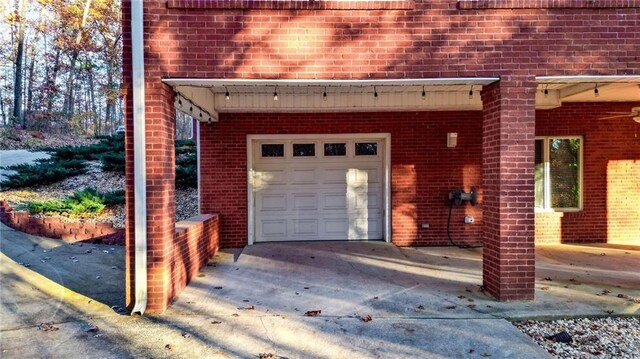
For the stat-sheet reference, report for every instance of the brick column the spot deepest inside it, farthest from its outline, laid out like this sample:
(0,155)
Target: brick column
(508,184)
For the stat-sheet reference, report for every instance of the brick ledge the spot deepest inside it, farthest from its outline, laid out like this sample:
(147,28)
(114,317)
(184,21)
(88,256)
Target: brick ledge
(52,227)
(293,4)
(546,4)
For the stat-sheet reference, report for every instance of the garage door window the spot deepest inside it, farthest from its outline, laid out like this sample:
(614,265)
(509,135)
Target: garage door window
(335,149)
(273,150)
(366,149)
(304,150)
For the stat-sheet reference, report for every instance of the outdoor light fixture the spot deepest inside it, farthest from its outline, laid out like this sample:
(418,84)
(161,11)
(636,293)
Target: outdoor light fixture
(471,92)
(375,92)
(424,93)
(324,94)
(275,94)
(226,94)
(596,93)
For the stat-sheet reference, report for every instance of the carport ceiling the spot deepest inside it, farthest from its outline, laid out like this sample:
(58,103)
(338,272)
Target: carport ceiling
(625,88)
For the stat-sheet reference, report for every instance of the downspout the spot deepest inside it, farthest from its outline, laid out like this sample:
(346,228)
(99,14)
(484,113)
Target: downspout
(139,157)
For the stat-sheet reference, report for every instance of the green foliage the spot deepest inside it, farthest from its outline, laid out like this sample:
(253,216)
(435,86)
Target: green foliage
(186,164)
(42,172)
(87,201)
(113,198)
(113,162)
(82,202)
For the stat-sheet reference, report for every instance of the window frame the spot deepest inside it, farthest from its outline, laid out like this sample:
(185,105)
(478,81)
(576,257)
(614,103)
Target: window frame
(547,174)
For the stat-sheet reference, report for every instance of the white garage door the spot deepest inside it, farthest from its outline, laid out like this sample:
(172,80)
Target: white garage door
(307,190)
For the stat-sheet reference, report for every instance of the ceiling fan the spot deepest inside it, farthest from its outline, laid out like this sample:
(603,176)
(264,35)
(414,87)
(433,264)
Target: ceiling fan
(634,114)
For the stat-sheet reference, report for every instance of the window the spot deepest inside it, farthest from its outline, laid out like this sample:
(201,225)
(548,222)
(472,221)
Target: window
(335,149)
(558,173)
(366,149)
(304,149)
(273,150)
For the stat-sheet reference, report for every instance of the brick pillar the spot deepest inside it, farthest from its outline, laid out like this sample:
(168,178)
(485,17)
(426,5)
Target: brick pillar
(508,184)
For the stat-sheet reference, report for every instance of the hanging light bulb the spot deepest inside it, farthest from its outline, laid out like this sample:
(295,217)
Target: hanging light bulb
(471,92)
(191,108)
(275,94)
(375,92)
(226,93)
(424,93)
(596,92)
(179,100)
(546,90)
(324,94)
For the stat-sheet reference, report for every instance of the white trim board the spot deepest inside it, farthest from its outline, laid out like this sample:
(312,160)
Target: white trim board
(385,137)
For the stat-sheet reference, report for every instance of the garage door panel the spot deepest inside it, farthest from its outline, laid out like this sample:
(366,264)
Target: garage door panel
(303,176)
(268,177)
(272,202)
(367,199)
(334,201)
(338,228)
(305,201)
(272,228)
(305,227)
(335,176)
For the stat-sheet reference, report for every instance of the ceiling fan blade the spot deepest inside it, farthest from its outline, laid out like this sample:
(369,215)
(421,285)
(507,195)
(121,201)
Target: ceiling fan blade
(616,116)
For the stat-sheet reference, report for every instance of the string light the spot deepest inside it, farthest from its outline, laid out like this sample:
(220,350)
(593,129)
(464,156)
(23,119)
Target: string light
(546,90)
(275,94)
(471,92)
(226,93)
(596,93)
(375,92)
(324,94)
(424,93)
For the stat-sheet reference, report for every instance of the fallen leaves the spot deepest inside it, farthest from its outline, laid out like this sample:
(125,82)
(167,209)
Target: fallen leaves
(47,327)
(420,308)
(216,322)
(312,313)
(367,318)
(451,307)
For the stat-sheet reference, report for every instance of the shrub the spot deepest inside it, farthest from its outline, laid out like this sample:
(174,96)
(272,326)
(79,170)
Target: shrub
(113,161)
(42,172)
(82,202)
(113,198)
(87,201)
(187,170)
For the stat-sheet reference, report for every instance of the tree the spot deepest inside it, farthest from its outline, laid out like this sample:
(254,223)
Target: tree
(19,19)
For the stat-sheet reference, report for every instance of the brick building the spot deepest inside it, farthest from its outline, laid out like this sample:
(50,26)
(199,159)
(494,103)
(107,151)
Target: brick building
(353,120)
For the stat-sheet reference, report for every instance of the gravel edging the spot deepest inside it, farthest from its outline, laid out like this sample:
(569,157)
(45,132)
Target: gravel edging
(610,337)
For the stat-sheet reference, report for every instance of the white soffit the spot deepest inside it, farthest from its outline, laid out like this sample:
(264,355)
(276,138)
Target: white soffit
(622,88)
(249,95)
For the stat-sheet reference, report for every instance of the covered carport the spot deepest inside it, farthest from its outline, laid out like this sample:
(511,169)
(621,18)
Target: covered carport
(508,238)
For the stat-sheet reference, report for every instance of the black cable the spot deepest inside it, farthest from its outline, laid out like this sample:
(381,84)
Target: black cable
(449,231)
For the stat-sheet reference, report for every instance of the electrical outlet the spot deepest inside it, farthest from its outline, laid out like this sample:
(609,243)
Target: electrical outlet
(468,219)
(424,225)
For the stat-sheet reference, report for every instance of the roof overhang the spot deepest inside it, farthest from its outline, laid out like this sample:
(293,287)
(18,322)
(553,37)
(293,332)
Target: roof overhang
(555,90)
(257,95)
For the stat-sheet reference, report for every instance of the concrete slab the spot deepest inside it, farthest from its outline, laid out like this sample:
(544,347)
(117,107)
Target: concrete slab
(424,302)
(14,157)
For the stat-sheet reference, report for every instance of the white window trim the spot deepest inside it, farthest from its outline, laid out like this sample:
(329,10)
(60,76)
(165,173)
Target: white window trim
(547,175)
(385,152)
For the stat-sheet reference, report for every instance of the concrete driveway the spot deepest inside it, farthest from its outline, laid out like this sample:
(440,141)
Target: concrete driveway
(14,157)
(423,302)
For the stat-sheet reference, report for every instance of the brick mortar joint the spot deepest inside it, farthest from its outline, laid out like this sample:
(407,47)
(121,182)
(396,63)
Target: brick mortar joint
(545,4)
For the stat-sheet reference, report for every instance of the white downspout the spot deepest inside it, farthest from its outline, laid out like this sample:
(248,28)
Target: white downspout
(139,157)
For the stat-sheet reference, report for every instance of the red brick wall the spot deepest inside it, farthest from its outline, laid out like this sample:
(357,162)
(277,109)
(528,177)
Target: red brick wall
(431,39)
(611,190)
(196,241)
(424,170)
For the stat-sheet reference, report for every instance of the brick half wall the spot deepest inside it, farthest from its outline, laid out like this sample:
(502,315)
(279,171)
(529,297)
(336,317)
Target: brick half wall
(196,241)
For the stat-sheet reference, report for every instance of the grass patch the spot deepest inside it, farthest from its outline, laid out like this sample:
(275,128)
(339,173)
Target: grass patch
(87,201)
